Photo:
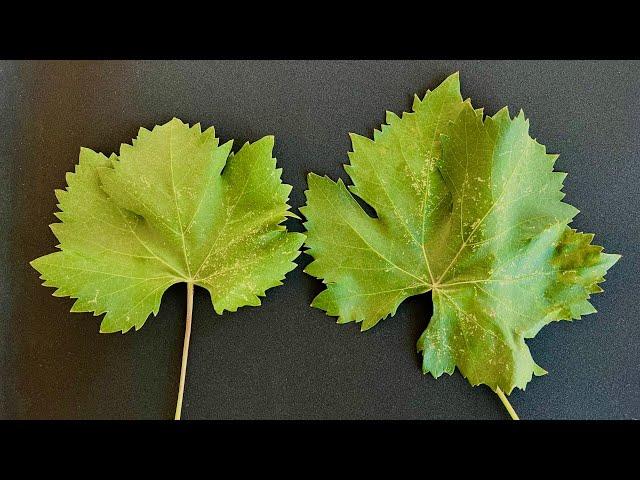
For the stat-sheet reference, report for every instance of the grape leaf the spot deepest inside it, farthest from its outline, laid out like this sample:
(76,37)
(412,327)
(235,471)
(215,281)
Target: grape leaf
(174,206)
(469,208)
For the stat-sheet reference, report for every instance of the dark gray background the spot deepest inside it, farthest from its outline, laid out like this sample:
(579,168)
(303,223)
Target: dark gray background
(285,360)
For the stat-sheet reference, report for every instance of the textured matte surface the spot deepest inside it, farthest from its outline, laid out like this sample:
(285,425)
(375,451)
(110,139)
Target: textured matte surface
(285,360)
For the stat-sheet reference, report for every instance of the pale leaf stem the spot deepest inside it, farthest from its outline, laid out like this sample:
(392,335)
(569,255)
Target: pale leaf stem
(505,402)
(185,350)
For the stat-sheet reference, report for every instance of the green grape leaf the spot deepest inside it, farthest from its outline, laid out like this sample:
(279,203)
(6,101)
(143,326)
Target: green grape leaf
(174,206)
(469,208)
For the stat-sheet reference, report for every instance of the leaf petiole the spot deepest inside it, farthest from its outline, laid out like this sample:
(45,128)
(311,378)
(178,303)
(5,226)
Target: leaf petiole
(185,350)
(505,402)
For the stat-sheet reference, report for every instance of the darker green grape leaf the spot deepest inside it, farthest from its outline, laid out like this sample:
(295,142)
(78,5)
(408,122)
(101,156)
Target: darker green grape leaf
(470,208)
